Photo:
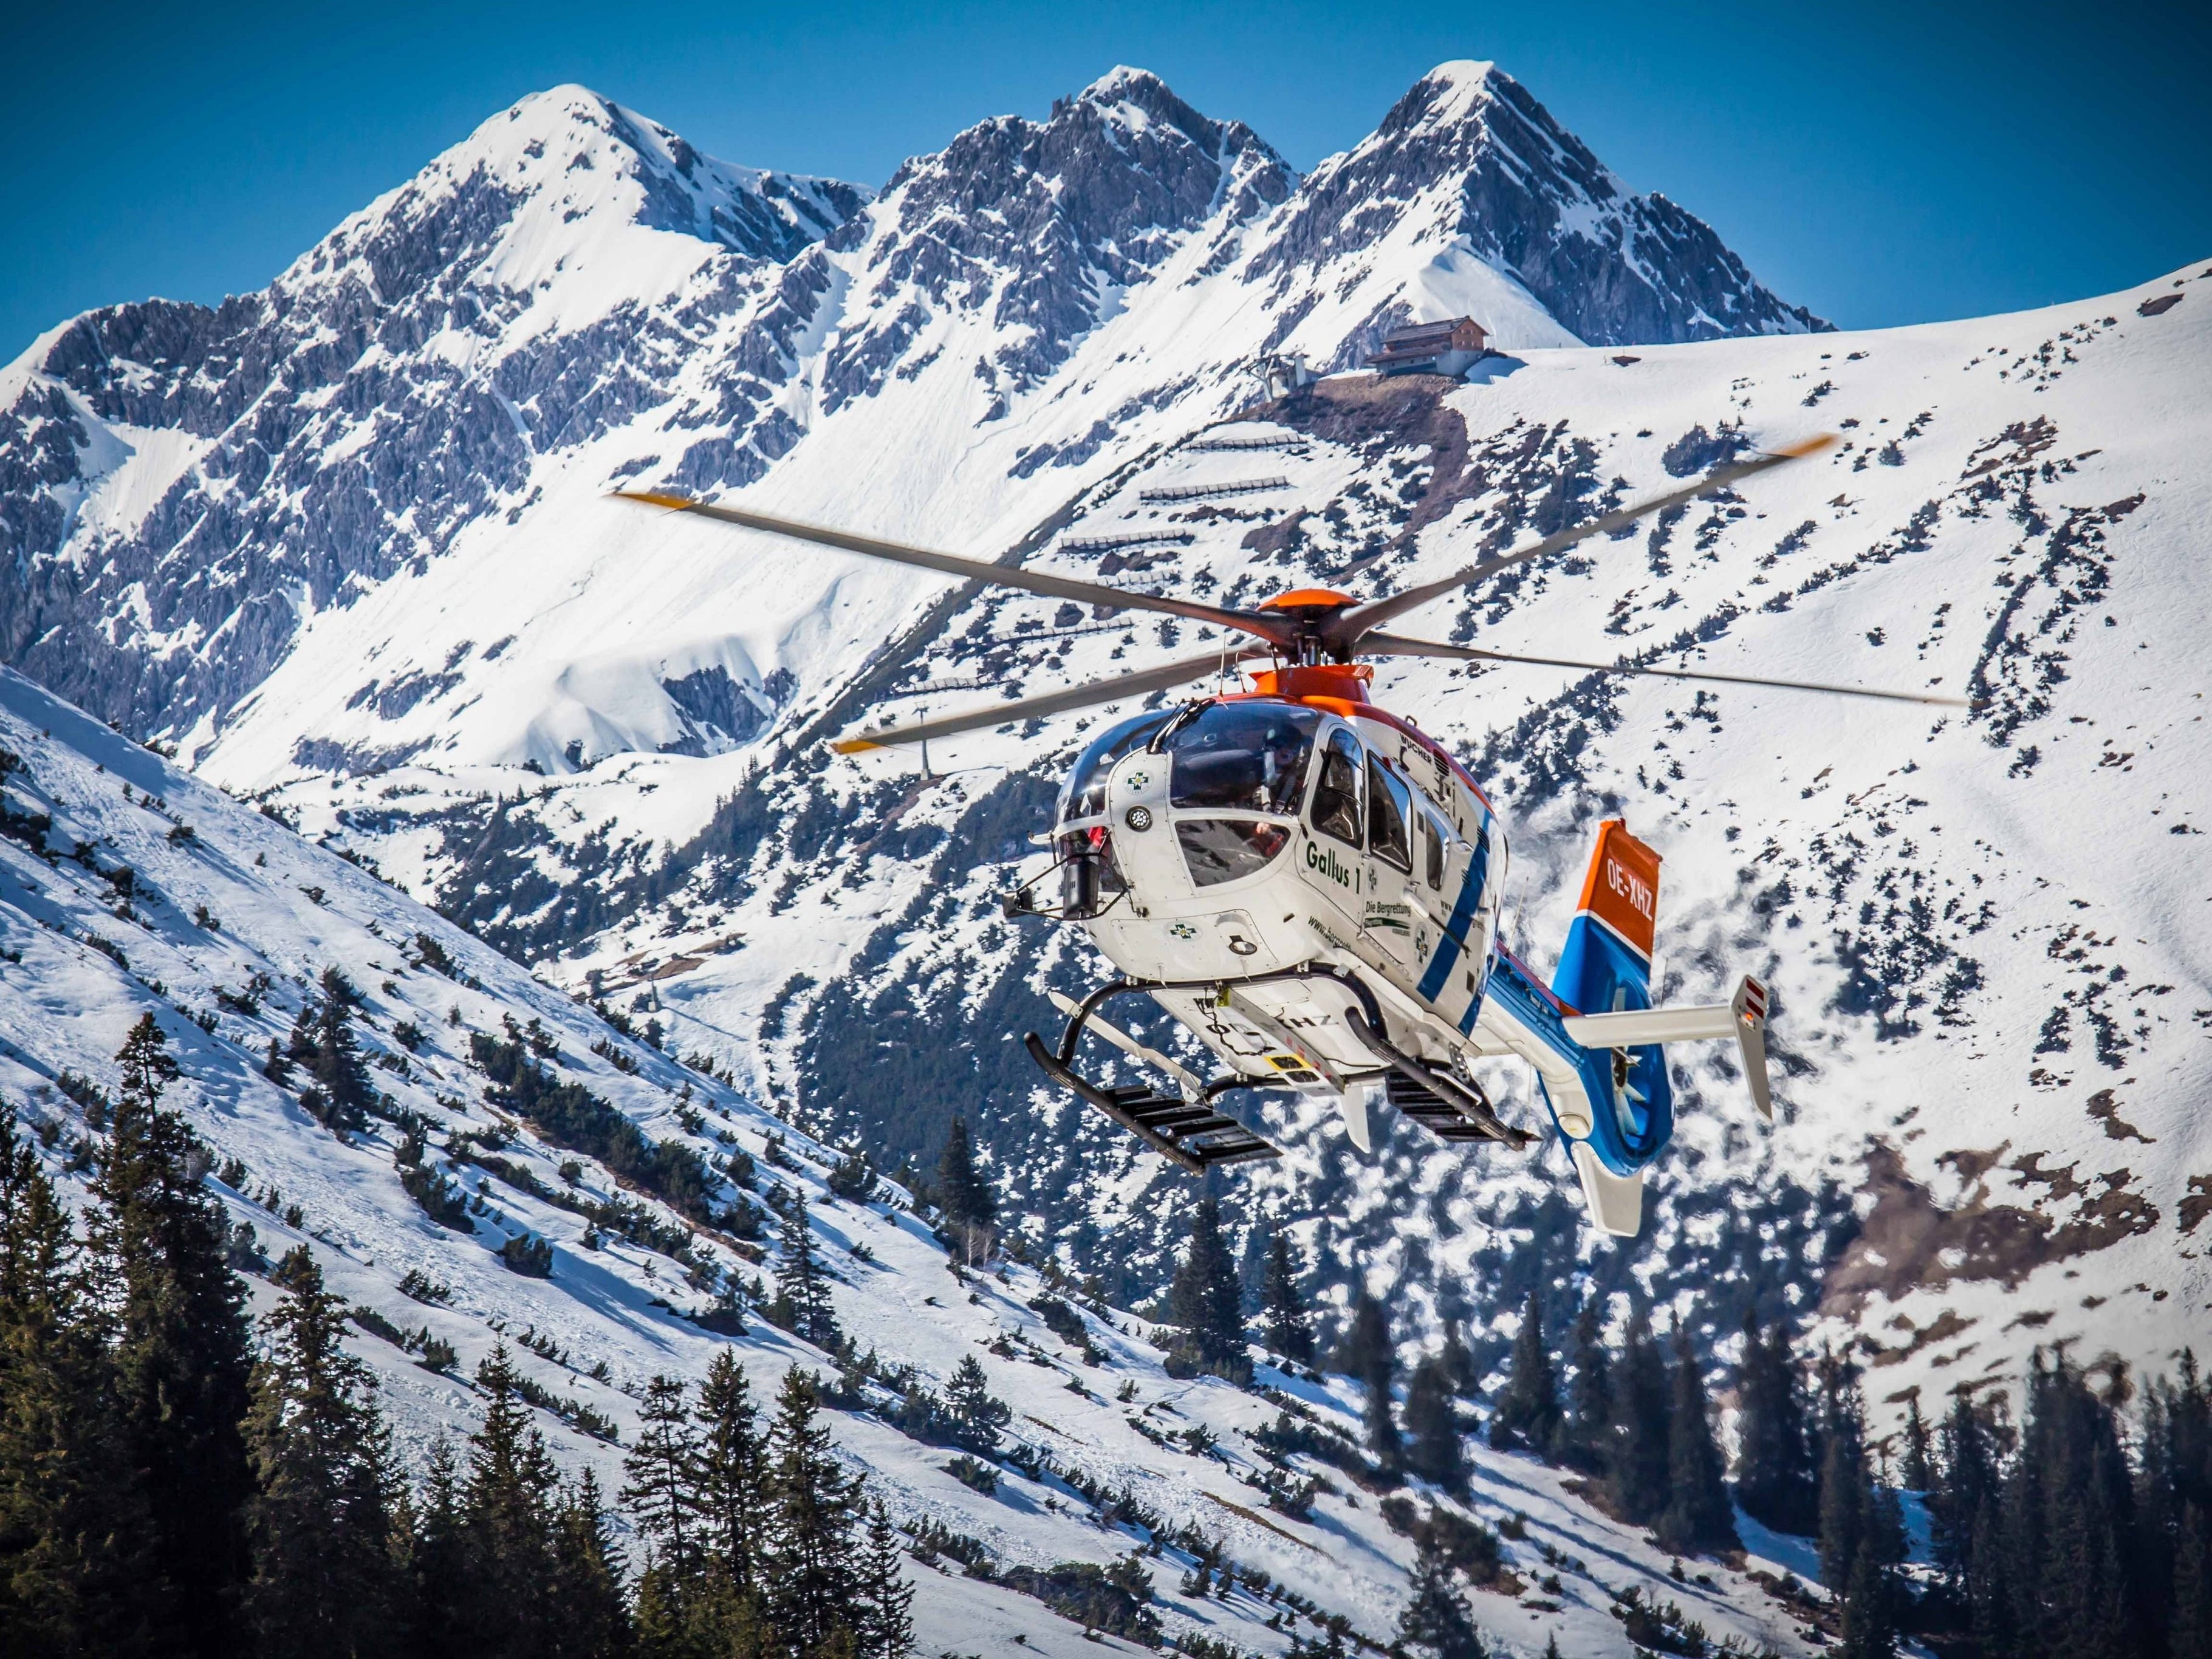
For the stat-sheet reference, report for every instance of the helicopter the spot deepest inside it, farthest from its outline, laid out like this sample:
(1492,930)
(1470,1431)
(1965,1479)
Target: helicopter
(1311,886)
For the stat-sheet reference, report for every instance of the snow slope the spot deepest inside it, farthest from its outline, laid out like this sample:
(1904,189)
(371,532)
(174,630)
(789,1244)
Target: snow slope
(242,895)
(1983,930)
(379,581)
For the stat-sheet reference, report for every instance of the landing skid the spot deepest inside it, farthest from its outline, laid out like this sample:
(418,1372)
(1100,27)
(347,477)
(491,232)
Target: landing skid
(1187,1129)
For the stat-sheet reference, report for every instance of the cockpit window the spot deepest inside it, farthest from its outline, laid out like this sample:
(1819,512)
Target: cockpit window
(1336,789)
(1247,757)
(1084,794)
(1389,806)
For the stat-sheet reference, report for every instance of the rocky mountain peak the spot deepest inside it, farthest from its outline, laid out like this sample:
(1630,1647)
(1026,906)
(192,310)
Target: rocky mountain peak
(1036,223)
(1470,160)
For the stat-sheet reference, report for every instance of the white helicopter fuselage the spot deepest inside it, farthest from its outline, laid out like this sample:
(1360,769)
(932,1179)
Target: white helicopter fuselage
(1311,886)
(1376,906)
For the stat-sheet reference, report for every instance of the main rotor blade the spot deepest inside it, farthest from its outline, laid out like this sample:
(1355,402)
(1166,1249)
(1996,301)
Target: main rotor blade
(1395,645)
(1346,629)
(1141,683)
(1003,575)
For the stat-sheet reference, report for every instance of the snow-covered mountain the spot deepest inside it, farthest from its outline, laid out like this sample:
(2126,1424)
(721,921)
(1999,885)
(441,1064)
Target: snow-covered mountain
(129,887)
(350,548)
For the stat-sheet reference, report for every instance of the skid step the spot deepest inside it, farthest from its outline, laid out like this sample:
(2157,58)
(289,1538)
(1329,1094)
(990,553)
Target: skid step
(1439,1116)
(1192,1134)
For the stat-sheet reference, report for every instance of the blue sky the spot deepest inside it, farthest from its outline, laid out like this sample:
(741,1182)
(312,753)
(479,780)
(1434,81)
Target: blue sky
(1880,163)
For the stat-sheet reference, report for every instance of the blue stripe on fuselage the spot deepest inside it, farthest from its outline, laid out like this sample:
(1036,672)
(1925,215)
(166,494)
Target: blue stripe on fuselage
(1463,908)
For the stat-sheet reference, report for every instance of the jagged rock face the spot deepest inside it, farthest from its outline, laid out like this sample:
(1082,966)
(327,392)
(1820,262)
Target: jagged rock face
(1035,227)
(392,388)
(1487,161)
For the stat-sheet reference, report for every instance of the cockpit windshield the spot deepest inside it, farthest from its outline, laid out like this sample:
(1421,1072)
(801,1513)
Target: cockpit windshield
(1248,757)
(1084,794)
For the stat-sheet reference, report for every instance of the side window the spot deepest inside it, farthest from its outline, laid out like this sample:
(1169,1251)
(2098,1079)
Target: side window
(1336,790)
(1389,805)
(1433,853)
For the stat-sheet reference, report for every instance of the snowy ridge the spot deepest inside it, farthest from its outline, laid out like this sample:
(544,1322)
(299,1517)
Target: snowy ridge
(243,896)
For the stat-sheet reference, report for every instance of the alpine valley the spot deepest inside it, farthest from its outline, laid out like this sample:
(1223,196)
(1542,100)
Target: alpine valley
(342,550)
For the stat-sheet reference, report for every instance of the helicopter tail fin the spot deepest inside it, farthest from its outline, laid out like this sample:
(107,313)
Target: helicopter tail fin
(1606,966)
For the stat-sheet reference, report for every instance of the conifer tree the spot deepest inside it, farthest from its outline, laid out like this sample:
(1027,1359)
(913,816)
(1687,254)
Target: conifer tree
(340,1074)
(1289,1325)
(1584,1440)
(732,1479)
(886,1599)
(802,1299)
(1869,1610)
(1636,1461)
(2072,1521)
(1370,1353)
(2190,1621)
(970,1208)
(811,1570)
(1969,1484)
(974,1416)
(1459,1363)
(1862,1536)
(590,1614)
(662,1491)
(1777,1477)
(1433,1450)
(1438,1622)
(181,1350)
(1915,1469)
(1698,1519)
(1846,1481)
(323,1583)
(507,1523)
(1528,1412)
(436,1565)
(1205,1301)
(76,1543)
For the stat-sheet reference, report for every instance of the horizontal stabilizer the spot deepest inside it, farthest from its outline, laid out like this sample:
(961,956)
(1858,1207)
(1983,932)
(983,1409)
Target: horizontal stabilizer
(1743,1016)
